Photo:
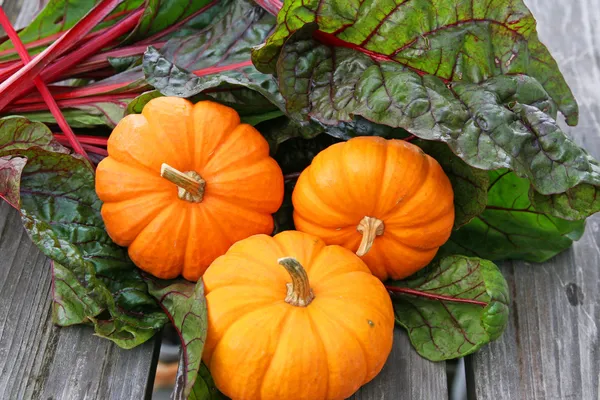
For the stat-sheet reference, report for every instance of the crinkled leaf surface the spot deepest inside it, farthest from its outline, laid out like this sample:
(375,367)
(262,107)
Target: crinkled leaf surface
(504,122)
(440,328)
(469,184)
(186,66)
(511,227)
(185,304)
(456,40)
(575,204)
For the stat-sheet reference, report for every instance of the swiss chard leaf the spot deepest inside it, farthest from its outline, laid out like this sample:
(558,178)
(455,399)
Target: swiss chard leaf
(511,227)
(61,213)
(72,302)
(498,123)
(452,307)
(185,304)
(187,66)
(10,179)
(89,115)
(456,40)
(18,133)
(469,184)
(204,388)
(160,14)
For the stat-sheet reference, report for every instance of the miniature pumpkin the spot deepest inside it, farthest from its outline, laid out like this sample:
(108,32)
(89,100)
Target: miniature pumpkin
(184,181)
(386,200)
(292,318)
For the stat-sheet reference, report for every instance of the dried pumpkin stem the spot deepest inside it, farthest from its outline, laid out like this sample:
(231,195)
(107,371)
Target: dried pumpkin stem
(190,183)
(370,228)
(299,292)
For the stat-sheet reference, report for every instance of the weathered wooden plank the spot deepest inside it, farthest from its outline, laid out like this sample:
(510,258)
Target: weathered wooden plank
(406,376)
(551,348)
(41,361)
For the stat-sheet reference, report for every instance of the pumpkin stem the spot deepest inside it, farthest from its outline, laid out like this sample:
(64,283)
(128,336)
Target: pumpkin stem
(299,293)
(370,227)
(190,183)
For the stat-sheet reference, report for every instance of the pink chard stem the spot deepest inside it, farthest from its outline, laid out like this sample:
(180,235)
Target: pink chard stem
(41,86)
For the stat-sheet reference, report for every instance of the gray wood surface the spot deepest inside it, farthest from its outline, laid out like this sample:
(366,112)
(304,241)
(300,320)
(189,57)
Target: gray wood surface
(41,361)
(551,348)
(406,376)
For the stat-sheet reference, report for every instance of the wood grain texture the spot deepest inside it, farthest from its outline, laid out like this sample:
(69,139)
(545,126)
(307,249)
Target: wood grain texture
(406,376)
(550,349)
(41,361)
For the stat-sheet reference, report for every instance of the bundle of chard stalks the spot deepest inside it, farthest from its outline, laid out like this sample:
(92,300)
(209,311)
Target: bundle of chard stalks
(465,85)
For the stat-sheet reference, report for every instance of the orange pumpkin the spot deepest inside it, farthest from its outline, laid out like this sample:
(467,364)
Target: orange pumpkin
(384,199)
(218,185)
(292,318)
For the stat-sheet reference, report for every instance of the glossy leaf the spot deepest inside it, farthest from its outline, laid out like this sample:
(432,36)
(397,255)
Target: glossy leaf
(189,65)
(137,104)
(499,123)
(456,40)
(469,184)
(185,304)
(511,227)
(439,326)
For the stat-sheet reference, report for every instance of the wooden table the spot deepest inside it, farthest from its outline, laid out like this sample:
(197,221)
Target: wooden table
(550,350)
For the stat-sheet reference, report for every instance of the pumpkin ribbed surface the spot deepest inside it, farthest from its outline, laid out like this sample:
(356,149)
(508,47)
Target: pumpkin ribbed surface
(322,345)
(169,234)
(389,188)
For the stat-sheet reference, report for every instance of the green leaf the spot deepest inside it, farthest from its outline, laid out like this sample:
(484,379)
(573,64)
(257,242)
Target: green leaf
(255,119)
(278,130)
(575,204)
(499,123)
(441,327)
(456,40)
(121,64)
(61,213)
(469,184)
(204,388)
(190,65)
(10,178)
(511,227)
(18,133)
(72,302)
(89,115)
(161,14)
(185,304)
